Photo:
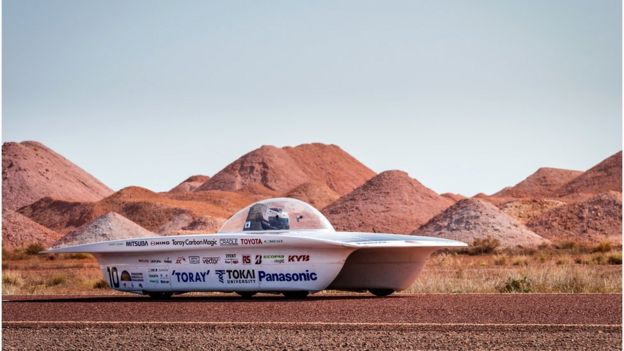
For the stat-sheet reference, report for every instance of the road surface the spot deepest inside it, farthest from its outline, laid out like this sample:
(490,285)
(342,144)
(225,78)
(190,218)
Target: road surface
(430,321)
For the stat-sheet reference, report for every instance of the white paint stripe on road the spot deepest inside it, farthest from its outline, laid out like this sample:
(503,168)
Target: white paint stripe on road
(269,323)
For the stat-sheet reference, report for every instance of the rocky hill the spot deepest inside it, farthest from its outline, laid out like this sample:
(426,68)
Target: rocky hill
(31,171)
(281,170)
(318,195)
(472,219)
(596,219)
(390,202)
(524,210)
(603,177)
(19,231)
(110,226)
(157,212)
(190,184)
(541,184)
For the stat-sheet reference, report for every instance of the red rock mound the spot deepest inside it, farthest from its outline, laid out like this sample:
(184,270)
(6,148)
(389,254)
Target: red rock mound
(524,210)
(472,219)
(603,177)
(541,184)
(596,219)
(31,171)
(318,195)
(156,212)
(453,197)
(331,165)
(283,169)
(110,226)
(390,202)
(190,184)
(18,231)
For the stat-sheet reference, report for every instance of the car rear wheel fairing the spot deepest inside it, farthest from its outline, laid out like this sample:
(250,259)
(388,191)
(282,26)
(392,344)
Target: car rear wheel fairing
(381,268)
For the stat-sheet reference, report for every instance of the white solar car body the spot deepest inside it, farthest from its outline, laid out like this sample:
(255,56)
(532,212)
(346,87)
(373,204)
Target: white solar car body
(278,245)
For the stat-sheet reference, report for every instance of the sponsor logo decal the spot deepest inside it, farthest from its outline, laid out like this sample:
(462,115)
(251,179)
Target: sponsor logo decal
(231,259)
(210,260)
(246,259)
(167,260)
(159,243)
(298,258)
(228,242)
(258,259)
(191,277)
(180,260)
(254,241)
(287,277)
(273,258)
(143,260)
(194,259)
(136,277)
(136,243)
(125,276)
(194,242)
(273,241)
(220,273)
(153,278)
(155,261)
(236,276)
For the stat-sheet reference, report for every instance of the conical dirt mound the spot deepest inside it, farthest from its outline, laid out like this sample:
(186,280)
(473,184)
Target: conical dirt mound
(603,177)
(19,231)
(283,169)
(31,171)
(110,226)
(472,219)
(316,194)
(190,184)
(543,183)
(390,202)
(596,219)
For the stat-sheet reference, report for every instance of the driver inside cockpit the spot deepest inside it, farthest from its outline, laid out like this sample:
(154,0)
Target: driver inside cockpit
(262,217)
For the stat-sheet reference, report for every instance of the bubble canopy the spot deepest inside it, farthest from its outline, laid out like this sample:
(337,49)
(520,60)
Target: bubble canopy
(278,214)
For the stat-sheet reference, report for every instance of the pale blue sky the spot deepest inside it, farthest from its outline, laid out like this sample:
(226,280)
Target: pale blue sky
(466,96)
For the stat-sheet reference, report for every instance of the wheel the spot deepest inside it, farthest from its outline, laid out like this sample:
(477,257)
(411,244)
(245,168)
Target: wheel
(381,292)
(246,294)
(160,295)
(296,294)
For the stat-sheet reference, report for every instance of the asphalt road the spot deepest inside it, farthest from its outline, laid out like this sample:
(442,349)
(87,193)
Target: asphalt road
(440,322)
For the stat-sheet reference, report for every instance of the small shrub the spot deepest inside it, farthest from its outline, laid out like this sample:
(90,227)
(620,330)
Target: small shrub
(500,260)
(561,261)
(580,260)
(57,280)
(77,256)
(520,262)
(566,245)
(604,246)
(598,259)
(615,259)
(13,255)
(514,285)
(100,284)
(575,246)
(483,246)
(34,249)
(12,278)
